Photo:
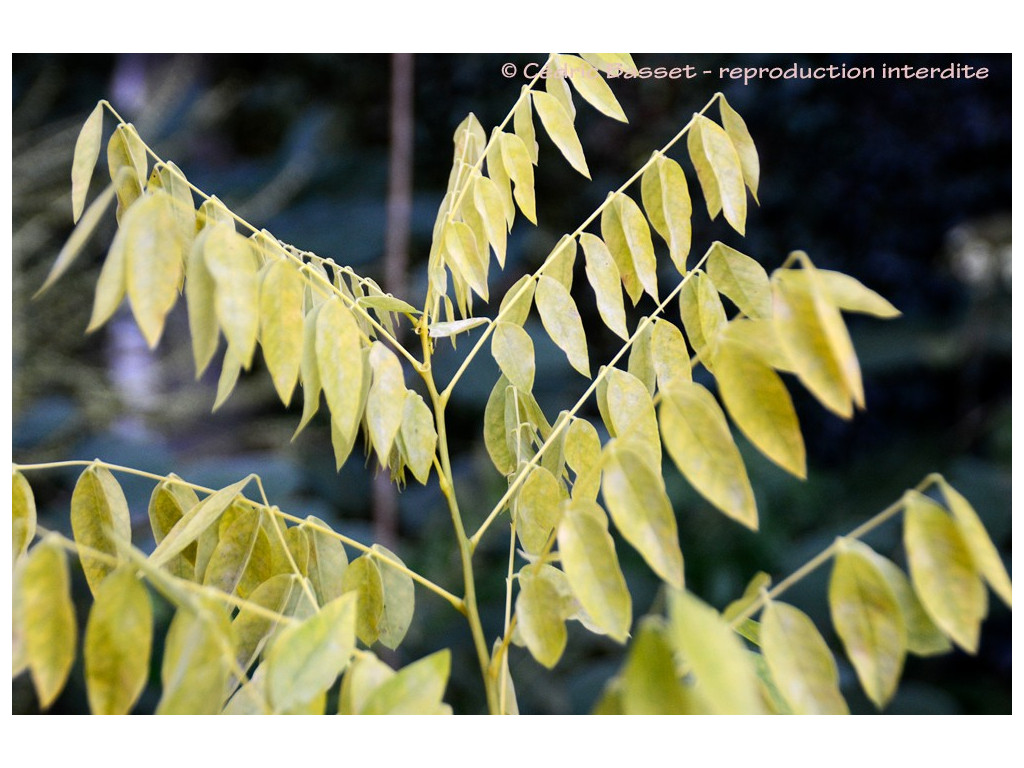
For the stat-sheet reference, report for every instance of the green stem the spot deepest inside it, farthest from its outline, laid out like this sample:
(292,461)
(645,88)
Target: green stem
(444,468)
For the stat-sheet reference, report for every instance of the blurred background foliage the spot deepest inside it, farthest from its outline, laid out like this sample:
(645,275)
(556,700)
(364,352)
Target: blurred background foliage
(904,184)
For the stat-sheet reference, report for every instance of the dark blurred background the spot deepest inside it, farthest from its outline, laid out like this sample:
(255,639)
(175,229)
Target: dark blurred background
(904,184)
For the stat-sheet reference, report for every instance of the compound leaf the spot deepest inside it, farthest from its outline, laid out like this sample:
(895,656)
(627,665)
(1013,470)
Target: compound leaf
(742,279)
(198,660)
(737,131)
(416,689)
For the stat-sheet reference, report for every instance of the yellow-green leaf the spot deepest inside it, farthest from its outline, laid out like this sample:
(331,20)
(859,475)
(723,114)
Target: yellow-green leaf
(615,64)
(494,428)
(512,349)
(364,578)
(100,520)
(604,278)
(669,355)
(110,287)
(118,640)
(983,551)
(924,638)
(697,438)
(126,152)
(87,152)
(641,359)
(309,370)
(759,403)
(823,360)
(79,237)
(340,364)
(583,454)
(252,626)
(562,321)
(634,493)
(703,315)
(170,502)
(800,662)
(47,618)
(741,279)
(725,166)
(628,237)
(385,402)
(701,164)
(558,124)
(231,260)
(198,661)
(200,294)
(515,305)
(649,682)
(538,506)
(942,571)
(496,171)
(155,260)
(541,615)
(725,679)
(561,261)
(414,690)
(868,620)
(23,514)
(363,676)
(587,80)
(851,295)
(487,199)
(399,598)
(467,255)
(666,199)
(282,293)
(192,524)
(592,568)
(516,160)
(242,559)
(305,659)
(417,437)
(631,415)
(737,131)
(522,123)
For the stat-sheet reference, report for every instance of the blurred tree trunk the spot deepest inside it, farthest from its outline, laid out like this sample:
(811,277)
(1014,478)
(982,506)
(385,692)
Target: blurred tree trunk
(396,252)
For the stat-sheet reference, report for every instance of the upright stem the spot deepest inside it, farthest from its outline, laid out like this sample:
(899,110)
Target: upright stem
(444,468)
